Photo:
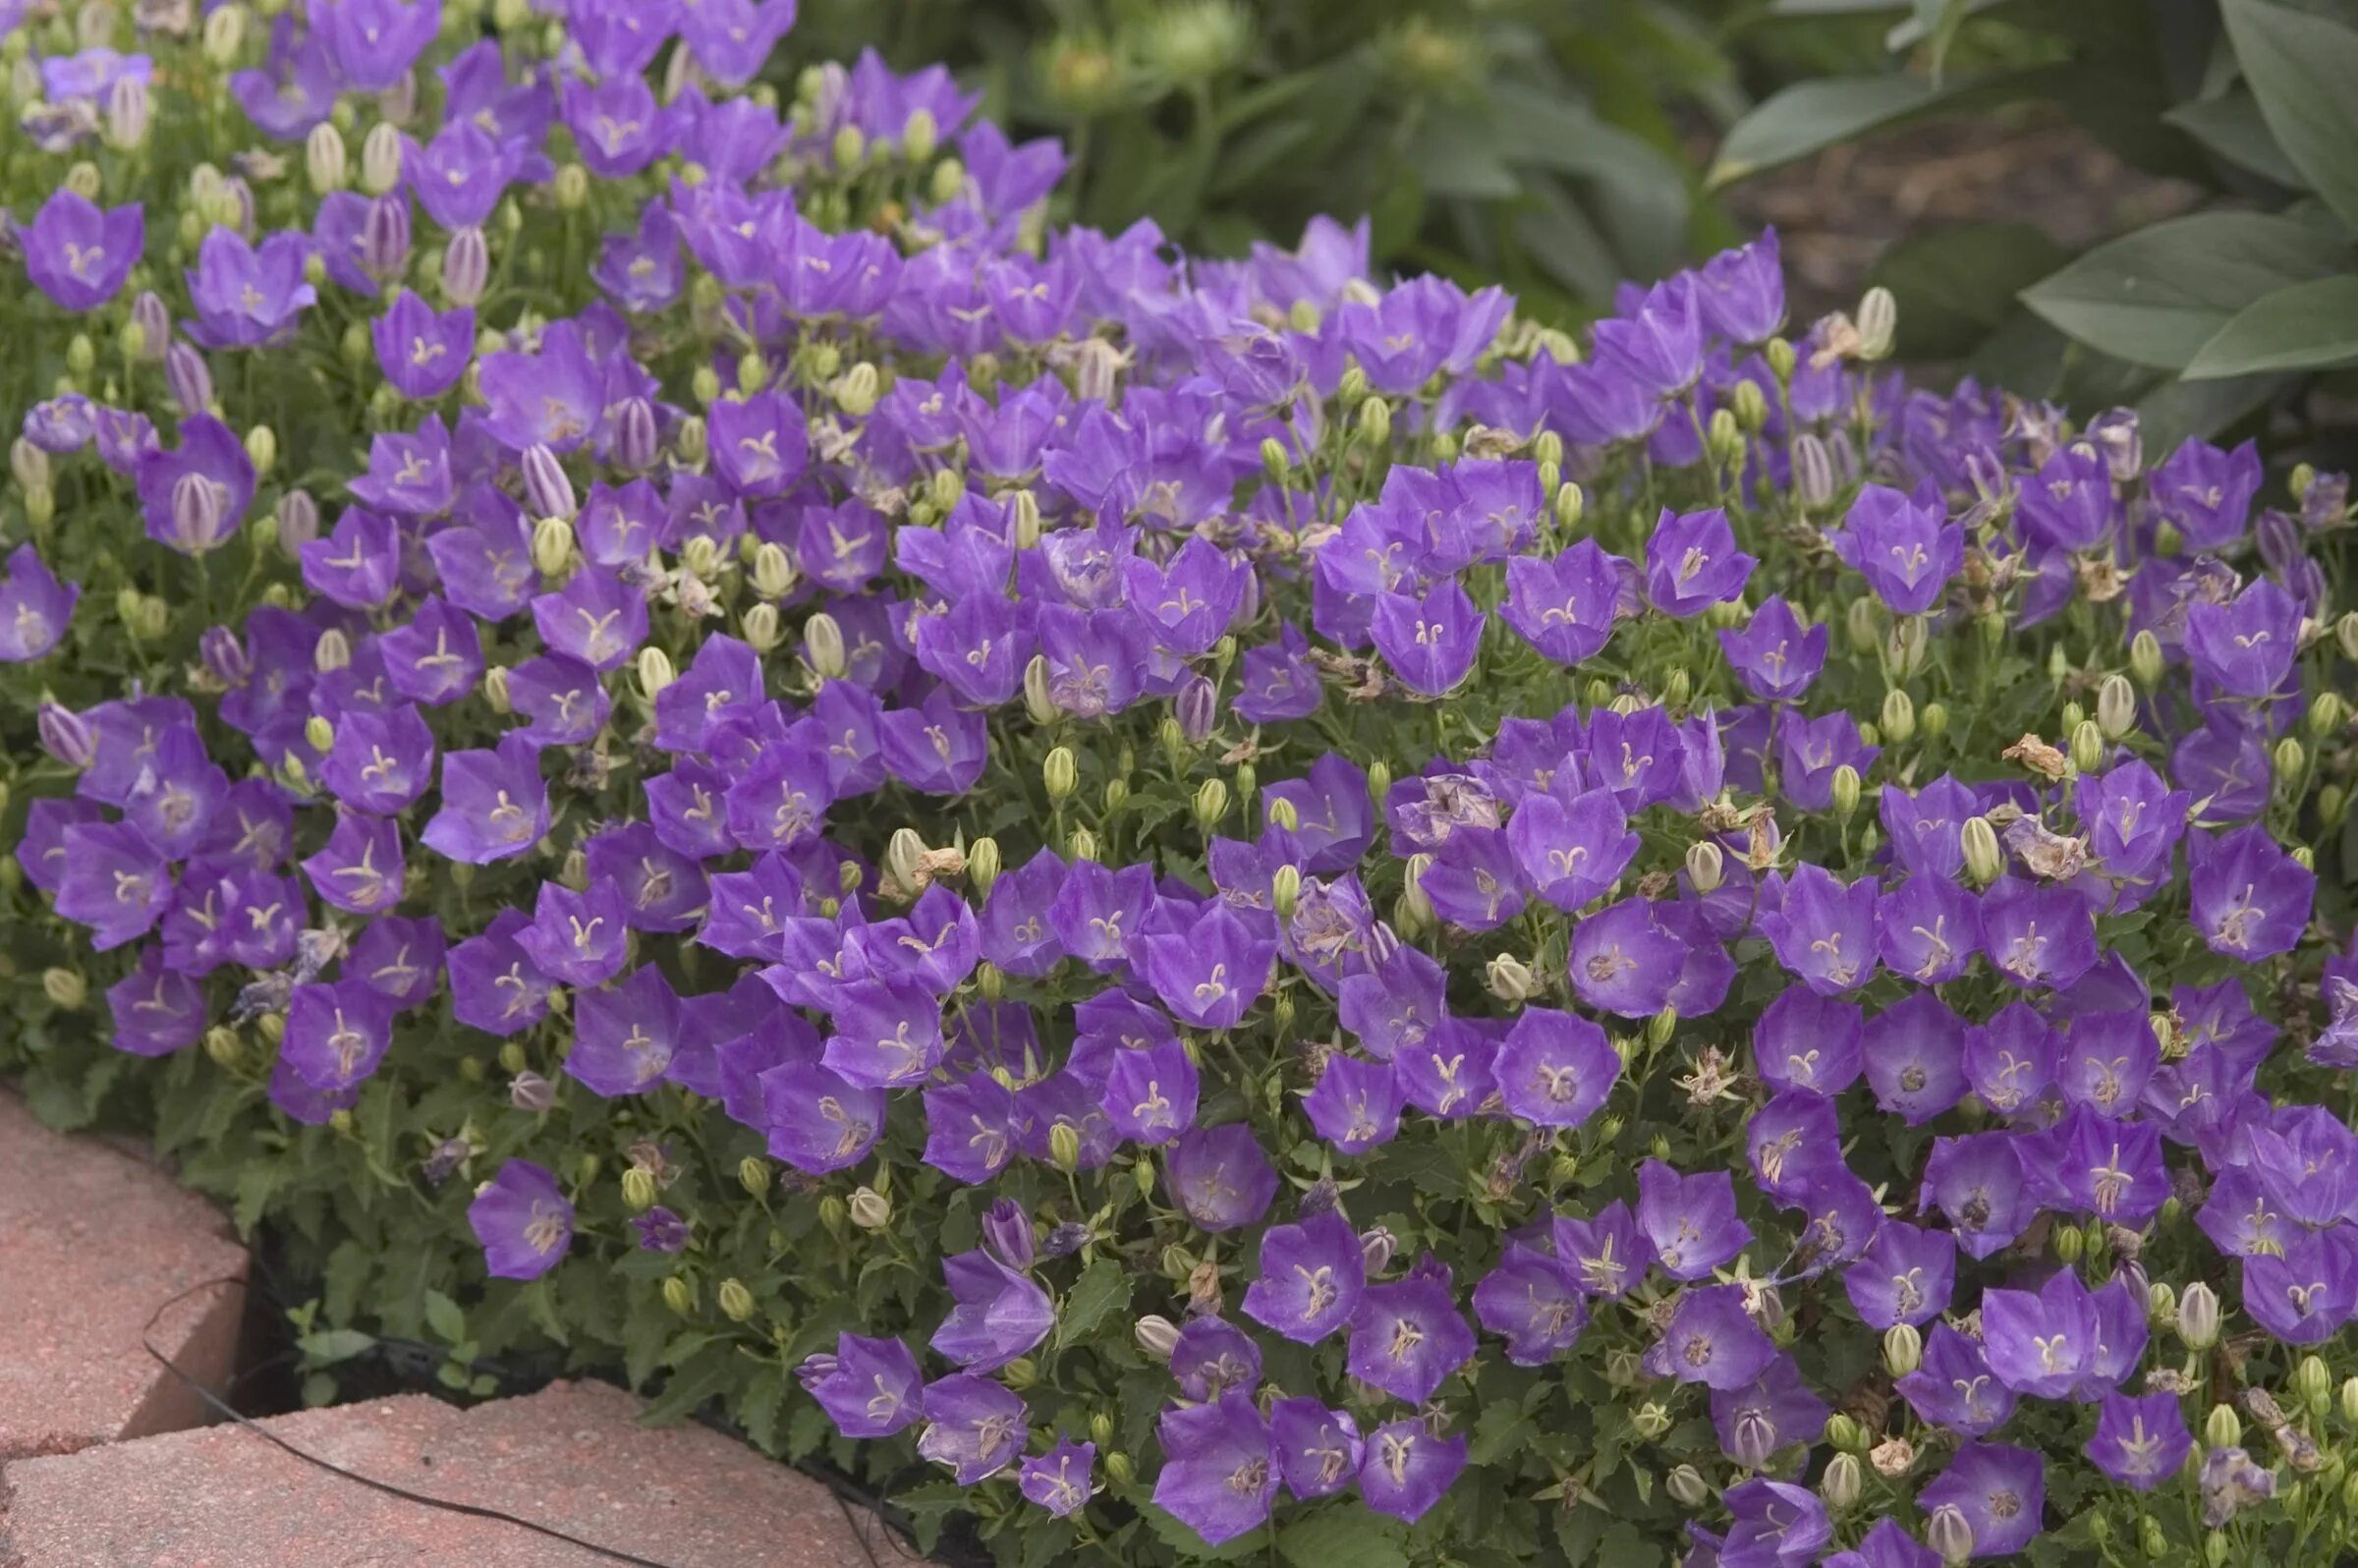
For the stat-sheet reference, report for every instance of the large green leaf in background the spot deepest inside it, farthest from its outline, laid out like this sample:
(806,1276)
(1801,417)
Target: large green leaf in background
(2304,70)
(2155,296)
(2309,326)
(1811,116)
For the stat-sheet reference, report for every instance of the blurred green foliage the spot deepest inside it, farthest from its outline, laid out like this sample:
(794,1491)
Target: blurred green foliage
(1539,143)
(2235,314)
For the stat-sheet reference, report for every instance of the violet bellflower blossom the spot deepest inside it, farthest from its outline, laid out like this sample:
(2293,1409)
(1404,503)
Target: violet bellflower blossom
(522,1219)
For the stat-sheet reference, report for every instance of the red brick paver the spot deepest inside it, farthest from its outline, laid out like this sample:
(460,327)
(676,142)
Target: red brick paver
(570,1457)
(93,1242)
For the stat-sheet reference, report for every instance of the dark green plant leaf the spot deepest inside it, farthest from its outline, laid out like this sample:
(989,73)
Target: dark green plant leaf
(1342,1534)
(2231,128)
(2155,296)
(443,1316)
(1811,116)
(2301,67)
(2308,326)
(1101,1289)
(1958,285)
(332,1345)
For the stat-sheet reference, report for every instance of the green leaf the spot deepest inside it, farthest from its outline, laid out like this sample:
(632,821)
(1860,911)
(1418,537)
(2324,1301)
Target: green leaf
(2231,126)
(1498,1432)
(331,1345)
(2177,410)
(2157,296)
(1811,116)
(1182,1539)
(758,1404)
(443,1316)
(2301,67)
(2308,326)
(1456,160)
(1103,1288)
(1346,1534)
(1958,285)
(709,1371)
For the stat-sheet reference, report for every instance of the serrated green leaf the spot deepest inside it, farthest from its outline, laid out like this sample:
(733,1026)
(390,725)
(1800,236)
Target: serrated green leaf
(2301,67)
(712,1370)
(1345,1534)
(758,1404)
(1498,1432)
(2157,296)
(1103,1288)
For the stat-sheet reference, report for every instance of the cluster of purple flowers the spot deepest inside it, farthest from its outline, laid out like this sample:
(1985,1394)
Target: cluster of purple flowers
(975,498)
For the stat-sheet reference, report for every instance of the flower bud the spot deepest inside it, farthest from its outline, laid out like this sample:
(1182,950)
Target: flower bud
(822,645)
(654,672)
(1571,505)
(1983,861)
(572,187)
(1156,1336)
(869,1210)
(638,1189)
(2198,1317)
(2150,1537)
(774,571)
(856,390)
(1211,802)
(1509,979)
(2087,747)
(1947,1534)
(2311,1380)
(1877,323)
(752,1174)
(1197,709)
(2117,708)
(466,266)
(679,1294)
(188,378)
(1846,791)
(2224,1428)
(1282,813)
(1064,1146)
(759,625)
(1285,891)
(1684,1484)
(65,736)
(552,545)
(386,238)
(2290,758)
(1813,472)
(736,1301)
(529,1091)
(64,987)
(1844,1432)
(1706,867)
(2349,1400)
(1650,1421)
(1903,1349)
(1845,1480)
(982,863)
(1080,845)
(1899,715)
(1060,772)
(381,159)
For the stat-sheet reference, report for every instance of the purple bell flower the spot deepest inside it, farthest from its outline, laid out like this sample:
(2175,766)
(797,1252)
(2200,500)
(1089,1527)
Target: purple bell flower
(1824,932)
(524,1221)
(1220,1472)
(759,446)
(2251,900)
(195,497)
(494,803)
(1221,1177)
(1355,1104)
(1407,1336)
(1000,1313)
(77,253)
(114,883)
(2141,1443)
(1888,1545)
(1151,1093)
(1531,1299)
(35,607)
(1059,1479)
(1404,1469)
(1213,1356)
(868,1387)
(1317,1449)
(1905,1277)
(1564,605)
(1691,563)
(2038,934)
(1954,1387)
(246,297)
(1554,1069)
(1914,1053)
(1431,642)
(1903,545)
(623,1038)
(1711,1339)
(1998,1493)
(973,1426)
(2206,494)
(1690,1220)
(423,354)
(337,1034)
(1312,1279)
(2247,646)
(1572,849)
(1776,1525)
(1768,1415)
(155,1011)
(1807,1042)
(1608,1254)
(1774,655)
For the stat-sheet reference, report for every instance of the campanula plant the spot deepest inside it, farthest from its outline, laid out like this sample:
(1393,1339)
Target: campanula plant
(1248,911)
